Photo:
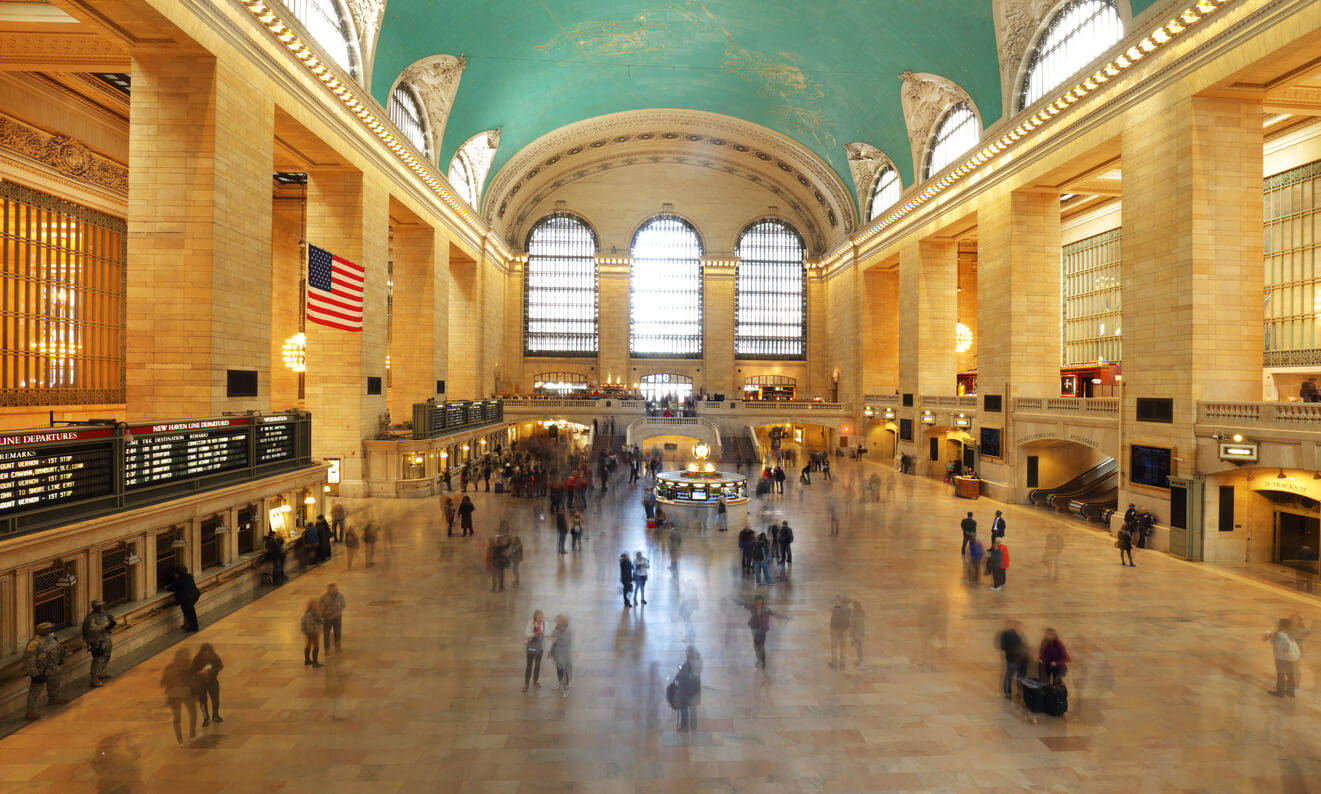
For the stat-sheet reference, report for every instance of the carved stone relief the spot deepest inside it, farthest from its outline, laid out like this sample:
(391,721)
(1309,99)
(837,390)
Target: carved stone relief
(63,154)
(1016,21)
(436,81)
(367,16)
(925,97)
(866,162)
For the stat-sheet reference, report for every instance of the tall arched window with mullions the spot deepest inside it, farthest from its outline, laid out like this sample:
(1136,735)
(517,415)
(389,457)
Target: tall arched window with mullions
(770,302)
(1077,35)
(886,192)
(329,25)
(665,303)
(560,293)
(956,133)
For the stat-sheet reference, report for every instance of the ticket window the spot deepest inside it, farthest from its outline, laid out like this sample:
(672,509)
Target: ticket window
(246,520)
(168,555)
(414,466)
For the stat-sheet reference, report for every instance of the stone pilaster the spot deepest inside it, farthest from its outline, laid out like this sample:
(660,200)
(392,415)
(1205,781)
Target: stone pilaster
(199,237)
(928,273)
(718,332)
(464,327)
(421,318)
(880,330)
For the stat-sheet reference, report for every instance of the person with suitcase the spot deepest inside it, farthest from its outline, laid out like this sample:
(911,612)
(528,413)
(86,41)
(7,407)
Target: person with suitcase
(1052,660)
(1010,642)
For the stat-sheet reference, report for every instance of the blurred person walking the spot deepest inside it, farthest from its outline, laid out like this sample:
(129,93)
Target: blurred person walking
(561,651)
(516,558)
(857,631)
(675,538)
(975,554)
(324,538)
(332,605)
(746,540)
(641,566)
(1011,644)
(839,631)
(536,638)
(96,636)
(760,624)
(351,544)
(177,681)
(688,689)
(206,667)
(1287,656)
(310,625)
(626,576)
(369,543)
(337,521)
(1124,542)
(1053,658)
(450,515)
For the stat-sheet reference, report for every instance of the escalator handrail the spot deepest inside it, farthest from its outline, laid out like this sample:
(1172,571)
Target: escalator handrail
(1078,485)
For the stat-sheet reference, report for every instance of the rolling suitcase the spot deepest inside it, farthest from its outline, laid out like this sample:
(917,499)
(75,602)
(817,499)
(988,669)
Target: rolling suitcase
(1055,700)
(1033,694)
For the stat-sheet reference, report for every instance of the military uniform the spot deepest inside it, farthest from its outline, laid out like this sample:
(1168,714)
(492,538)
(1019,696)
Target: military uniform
(96,634)
(41,662)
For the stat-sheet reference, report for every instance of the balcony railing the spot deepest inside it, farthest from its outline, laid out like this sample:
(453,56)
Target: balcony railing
(1282,415)
(964,401)
(1099,407)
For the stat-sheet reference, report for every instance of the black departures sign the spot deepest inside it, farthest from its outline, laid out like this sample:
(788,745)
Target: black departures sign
(275,438)
(56,467)
(157,454)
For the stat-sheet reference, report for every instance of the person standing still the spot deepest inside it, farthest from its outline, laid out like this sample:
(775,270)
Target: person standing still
(969,527)
(337,522)
(450,515)
(332,614)
(350,544)
(760,624)
(839,631)
(1287,655)
(96,636)
(576,531)
(536,637)
(369,543)
(997,526)
(689,685)
(722,515)
(310,625)
(561,652)
(1125,543)
(626,576)
(42,659)
(857,631)
(997,562)
(206,669)
(466,509)
(186,595)
(641,566)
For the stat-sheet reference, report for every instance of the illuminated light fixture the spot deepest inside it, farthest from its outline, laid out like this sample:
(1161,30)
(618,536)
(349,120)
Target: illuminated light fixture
(294,352)
(465,447)
(962,420)
(444,454)
(962,338)
(868,411)
(325,488)
(692,467)
(701,451)
(710,467)
(1239,452)
(310,500)
(889,413)
(1237,438)
(927,418)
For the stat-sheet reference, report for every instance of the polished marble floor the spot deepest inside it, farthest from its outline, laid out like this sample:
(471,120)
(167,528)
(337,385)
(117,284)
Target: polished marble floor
(1168,688)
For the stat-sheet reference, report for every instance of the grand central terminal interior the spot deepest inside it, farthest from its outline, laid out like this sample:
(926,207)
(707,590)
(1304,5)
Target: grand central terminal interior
(660,395)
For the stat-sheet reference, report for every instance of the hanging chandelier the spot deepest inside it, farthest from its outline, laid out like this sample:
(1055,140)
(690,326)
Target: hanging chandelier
(294,352)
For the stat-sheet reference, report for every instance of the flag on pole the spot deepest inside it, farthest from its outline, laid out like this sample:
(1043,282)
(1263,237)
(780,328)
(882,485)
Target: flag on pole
(334,290)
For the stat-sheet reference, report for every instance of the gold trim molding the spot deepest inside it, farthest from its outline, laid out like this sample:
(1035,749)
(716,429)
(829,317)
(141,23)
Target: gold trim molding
(67,156)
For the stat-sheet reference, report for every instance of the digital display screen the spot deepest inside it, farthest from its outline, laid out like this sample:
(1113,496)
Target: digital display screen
(1150,466)
(275,439)
(163,453)
(51,475)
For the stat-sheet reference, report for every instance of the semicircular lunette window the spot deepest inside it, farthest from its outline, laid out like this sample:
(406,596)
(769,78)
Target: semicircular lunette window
(1078,34)
(887,191)
(560,288)
(770,303)
(406,113)
(956,133)
(325,20)
(665,304)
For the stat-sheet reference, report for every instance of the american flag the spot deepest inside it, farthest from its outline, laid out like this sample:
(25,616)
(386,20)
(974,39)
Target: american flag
(334,290)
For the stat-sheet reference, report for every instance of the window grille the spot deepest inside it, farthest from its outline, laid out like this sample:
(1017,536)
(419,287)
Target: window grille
(665,308)
(886,192)
(51,601)
(956,133)
(62,284)
(167,556)
(1077,35)
(468,169)
(560,288)
(114,576)
(406,113)
(328,26)
(247,529)
(1292,335)
(208,543)
(770,302)
(1090,291)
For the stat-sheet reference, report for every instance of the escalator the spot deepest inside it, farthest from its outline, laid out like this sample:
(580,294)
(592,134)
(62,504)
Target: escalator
(1082,484)
(1098,505)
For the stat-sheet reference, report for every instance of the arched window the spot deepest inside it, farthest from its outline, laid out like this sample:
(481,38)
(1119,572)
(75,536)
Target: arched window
(1077,34)
(326,21)
(956,133)
(886,192)
(406,113)
(471,162)
(665,306)
(559,382)
(665,385)
(770,303)
(559,293)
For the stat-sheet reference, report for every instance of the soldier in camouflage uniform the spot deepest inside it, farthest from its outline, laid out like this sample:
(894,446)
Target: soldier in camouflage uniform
(41,661)
(96,634)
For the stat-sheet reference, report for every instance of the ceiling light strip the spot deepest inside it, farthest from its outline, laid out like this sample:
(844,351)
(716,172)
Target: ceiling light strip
(383,130)
(1157,38)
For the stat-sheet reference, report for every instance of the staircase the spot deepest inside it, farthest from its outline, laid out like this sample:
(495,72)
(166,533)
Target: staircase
(602,444)
(734,449)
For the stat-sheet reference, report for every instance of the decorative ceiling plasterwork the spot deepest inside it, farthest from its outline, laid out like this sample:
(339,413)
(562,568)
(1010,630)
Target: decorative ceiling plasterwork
(925,98)
(63,154)
(1016,23)
(802,215)
(68,52)
(436,81)
(866,162)
(367,17)
(697,135)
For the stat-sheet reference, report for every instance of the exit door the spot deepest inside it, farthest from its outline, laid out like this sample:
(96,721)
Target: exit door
(1296,541)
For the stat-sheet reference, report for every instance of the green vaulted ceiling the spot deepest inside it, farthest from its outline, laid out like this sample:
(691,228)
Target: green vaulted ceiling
(824,72)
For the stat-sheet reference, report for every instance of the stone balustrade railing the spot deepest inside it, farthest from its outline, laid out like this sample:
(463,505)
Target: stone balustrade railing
(1099,407)
(881,399)
(702,406)
(1262,414)
(962,401)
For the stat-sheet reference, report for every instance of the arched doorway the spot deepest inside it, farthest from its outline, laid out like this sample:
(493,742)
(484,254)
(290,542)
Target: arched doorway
(944,445)
(665,385)
(1068,477)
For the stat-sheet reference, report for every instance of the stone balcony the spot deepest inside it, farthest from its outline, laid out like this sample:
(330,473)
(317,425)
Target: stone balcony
(1091,407)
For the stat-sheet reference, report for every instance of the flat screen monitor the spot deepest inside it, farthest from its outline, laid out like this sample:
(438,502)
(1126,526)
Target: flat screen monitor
(1150,466)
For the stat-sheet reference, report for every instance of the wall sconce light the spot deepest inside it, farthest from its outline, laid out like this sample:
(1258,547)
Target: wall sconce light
(222,530)
(132,559)
(67,581)
(310,500)
(889,413)
(868,411)
(178,543)
(962,420)
(927,418)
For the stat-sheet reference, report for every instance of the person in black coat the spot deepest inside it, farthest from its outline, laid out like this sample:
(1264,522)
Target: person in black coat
(626,576)
(323,539)
(689,686)
(185,591)
(466,509)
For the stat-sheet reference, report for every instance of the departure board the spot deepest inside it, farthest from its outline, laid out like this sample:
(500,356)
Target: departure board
(158,454)
(456,414)
(275,439)
(36,473)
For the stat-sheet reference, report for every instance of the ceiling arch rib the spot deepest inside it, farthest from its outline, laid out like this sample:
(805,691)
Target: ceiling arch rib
(804,186)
